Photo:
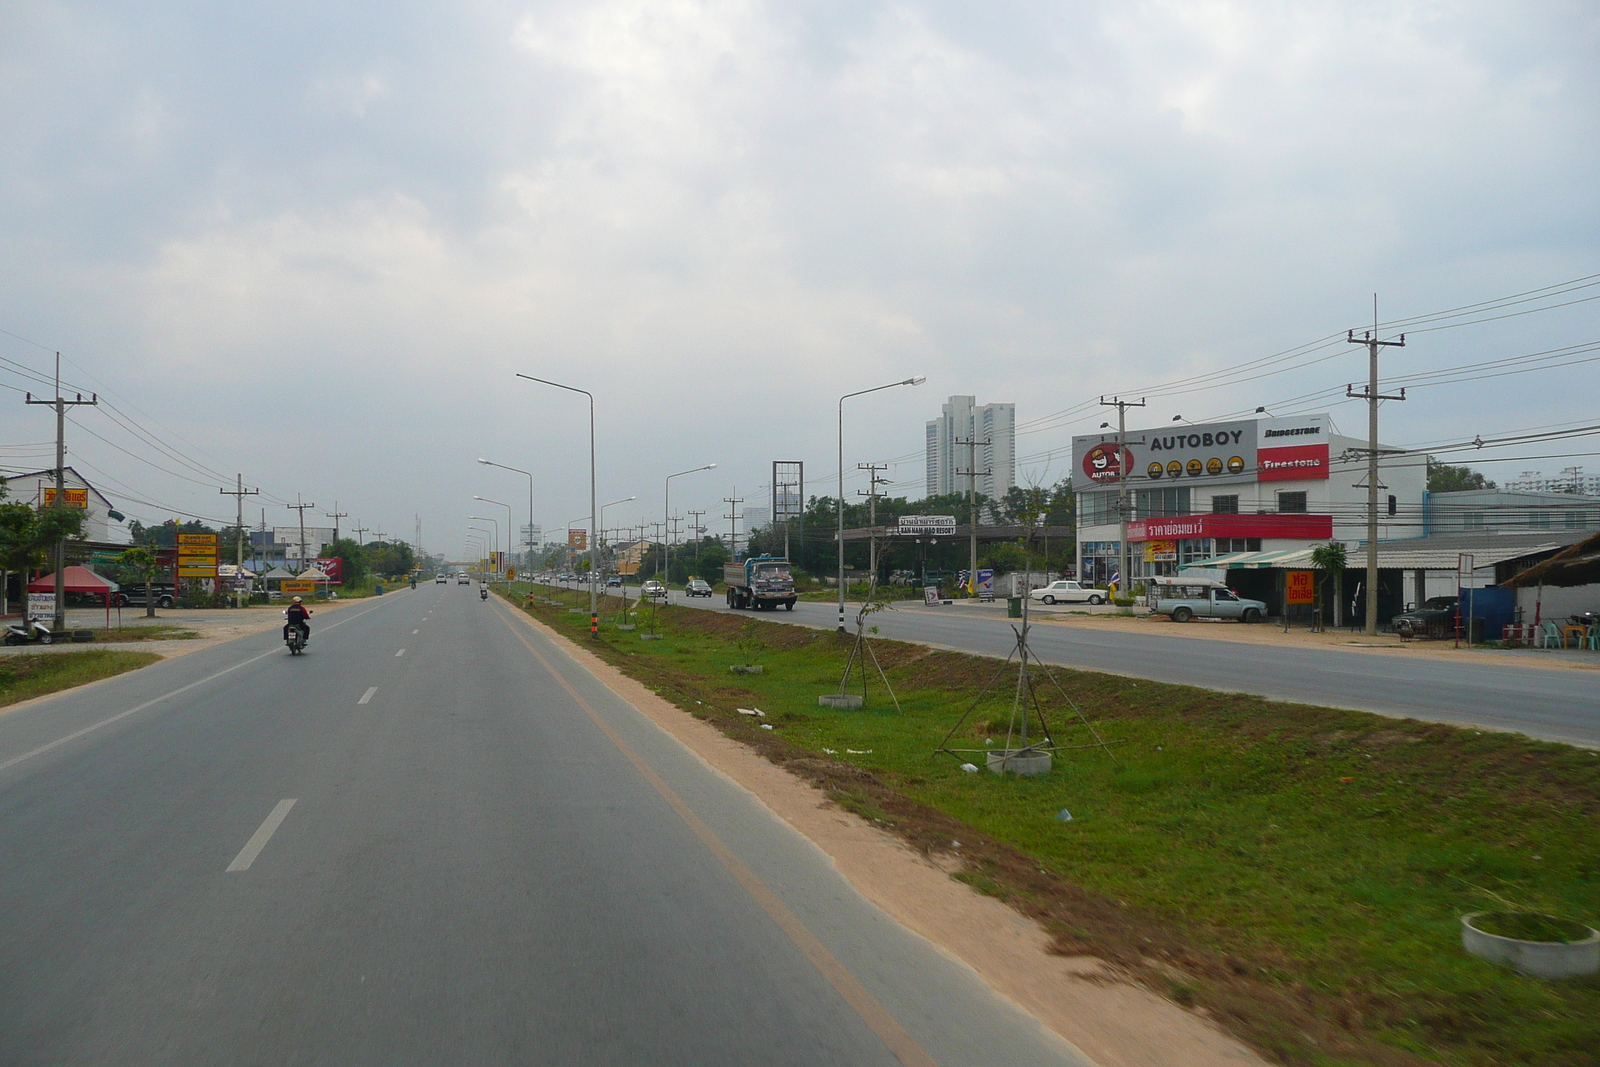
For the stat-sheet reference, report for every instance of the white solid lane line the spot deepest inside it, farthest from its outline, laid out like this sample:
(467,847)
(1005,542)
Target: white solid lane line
(367,696)
(400,653)
(258,840)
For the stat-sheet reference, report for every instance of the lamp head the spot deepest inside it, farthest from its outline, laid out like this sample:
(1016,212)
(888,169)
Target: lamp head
(1177,418)
(918,380)
(482,460)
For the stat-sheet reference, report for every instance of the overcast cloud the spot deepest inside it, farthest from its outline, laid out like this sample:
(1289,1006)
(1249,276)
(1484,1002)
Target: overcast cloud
(316,242)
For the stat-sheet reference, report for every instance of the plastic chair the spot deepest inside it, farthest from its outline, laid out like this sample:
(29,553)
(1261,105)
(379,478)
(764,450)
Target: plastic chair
(1549,635)
(1594,639)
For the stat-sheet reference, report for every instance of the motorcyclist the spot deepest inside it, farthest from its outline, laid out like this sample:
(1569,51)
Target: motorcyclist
(298,615)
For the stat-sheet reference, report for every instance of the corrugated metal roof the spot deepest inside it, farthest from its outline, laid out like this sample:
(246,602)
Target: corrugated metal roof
(1413,553)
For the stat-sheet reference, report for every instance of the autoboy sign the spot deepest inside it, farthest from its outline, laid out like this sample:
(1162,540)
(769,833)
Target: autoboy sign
(1216,451)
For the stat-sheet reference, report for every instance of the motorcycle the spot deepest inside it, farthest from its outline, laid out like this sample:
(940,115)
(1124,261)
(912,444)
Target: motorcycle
(483,593)
(294,637)
(31,632)
(413,583)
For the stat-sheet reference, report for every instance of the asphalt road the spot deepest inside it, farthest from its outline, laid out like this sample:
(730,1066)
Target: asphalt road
(432,839)
(1552,703)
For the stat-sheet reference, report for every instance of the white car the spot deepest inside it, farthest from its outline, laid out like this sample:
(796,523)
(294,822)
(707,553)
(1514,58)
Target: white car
(1066,591)
(654,590)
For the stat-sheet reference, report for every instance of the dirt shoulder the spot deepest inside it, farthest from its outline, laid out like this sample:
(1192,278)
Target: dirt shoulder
(1112,1021)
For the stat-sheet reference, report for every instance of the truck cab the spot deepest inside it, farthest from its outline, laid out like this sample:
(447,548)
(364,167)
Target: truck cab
(760,582)
(1185,600)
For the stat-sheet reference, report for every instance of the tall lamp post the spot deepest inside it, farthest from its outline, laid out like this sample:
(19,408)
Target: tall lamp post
(602,520)
(510,522)
(918,380)
(666,518)
(518,470)
(496,524)
(484,539)
(594,508)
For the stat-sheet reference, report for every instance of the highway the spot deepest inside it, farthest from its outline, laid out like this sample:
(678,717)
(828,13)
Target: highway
(1549,703)
(433,839)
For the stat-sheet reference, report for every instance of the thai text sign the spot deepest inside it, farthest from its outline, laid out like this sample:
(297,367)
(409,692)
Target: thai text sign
(76,498)
(297,586)
(578,539)
(1302,587)
(927,525)
(1160,551)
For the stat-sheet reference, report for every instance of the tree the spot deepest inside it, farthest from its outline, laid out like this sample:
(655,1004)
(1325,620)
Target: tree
(355,559)
(1443,478)
(143,562)
(1331,559)
(27,534)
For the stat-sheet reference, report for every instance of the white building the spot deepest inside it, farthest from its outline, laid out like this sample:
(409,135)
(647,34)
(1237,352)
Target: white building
(1570,480)
(961,419)
(102,522)
(755,519)
(1197,492)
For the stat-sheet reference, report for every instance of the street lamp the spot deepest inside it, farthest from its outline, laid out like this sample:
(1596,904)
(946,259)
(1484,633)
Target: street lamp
(600,523)
(510,523)
(496,524)
(918,380)
(666,517)
(518,470)
(594,591)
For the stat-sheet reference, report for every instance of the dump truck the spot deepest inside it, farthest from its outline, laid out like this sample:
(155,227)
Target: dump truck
(759,582)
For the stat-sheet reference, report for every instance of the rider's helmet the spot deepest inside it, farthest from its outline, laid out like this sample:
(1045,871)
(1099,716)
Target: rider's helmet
(297,600)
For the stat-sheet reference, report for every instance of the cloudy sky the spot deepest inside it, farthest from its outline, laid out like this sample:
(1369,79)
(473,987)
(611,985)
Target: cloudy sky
(314,243)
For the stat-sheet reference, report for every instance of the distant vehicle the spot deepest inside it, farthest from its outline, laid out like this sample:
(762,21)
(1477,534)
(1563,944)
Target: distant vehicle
(654,590)
(1435,618)
(759,582)
(1203,600)
(614,582)
(1066,591)
(438,579)
(697,587)
(134,595)
(462,579)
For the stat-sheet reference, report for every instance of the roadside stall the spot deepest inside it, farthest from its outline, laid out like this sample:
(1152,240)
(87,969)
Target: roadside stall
(78,580)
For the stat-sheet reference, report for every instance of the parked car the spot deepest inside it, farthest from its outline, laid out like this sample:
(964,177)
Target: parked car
(1066,591)
(1204,600)
(1435,618)
(614,582)
(133,596)
(654,590)
(697,587)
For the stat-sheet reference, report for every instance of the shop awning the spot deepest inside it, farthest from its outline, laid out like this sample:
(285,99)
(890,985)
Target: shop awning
(78,580)
(1284,559)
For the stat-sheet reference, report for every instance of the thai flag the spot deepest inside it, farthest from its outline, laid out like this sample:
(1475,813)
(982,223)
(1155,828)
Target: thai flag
(1116,576)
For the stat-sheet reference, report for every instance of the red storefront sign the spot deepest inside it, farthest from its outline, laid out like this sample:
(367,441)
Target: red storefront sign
(1286,527)
(1291,464)
(1100,463)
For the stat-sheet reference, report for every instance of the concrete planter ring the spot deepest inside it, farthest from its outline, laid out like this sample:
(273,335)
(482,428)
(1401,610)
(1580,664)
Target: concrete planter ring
(1578,954)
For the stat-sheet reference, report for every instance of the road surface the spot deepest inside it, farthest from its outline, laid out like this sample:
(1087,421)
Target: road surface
(433,839)
(1550,703)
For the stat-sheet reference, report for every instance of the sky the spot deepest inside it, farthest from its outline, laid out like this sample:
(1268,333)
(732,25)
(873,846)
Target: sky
(314,244)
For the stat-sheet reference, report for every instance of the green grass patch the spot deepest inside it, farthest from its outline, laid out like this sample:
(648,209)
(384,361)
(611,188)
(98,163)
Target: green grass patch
(28,675)
(1298,871)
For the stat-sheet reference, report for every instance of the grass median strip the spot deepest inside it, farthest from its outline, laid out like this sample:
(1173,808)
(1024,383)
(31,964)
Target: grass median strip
(1296,872)
(28,675)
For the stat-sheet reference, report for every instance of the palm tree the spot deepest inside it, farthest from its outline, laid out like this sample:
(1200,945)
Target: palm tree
(1331,559)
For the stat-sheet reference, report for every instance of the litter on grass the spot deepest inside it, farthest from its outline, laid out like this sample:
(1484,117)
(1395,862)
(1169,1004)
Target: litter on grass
(751,711)
(766,726)
(831,751)
(1064,815)
(970,768)
(859,751)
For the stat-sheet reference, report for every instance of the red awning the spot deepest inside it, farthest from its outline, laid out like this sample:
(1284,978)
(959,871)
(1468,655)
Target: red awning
(79,580)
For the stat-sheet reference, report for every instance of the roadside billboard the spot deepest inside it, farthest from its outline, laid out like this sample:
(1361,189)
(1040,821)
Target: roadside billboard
(333,567)
(1212,452)
(1292,449)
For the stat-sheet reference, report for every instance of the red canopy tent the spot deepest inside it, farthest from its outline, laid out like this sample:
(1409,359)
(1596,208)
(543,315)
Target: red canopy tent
(78,580)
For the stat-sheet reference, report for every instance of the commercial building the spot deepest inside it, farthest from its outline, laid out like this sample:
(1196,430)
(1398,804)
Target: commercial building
(962,419)
(1199,492)
(102,523)
(1510,511)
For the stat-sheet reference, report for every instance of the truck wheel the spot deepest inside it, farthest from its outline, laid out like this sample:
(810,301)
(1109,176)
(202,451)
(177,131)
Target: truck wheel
(1095,598)
(1181,614)
(788,606)
(1250,615)
(165,602)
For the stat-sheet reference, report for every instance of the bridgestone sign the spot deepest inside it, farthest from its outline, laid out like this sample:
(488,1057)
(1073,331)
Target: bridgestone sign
(926,525)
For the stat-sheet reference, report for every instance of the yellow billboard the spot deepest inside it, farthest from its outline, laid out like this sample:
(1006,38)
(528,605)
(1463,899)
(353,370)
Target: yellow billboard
(76,498)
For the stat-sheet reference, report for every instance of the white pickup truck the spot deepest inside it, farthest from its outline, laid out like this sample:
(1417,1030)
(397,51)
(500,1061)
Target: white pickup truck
(1204,600)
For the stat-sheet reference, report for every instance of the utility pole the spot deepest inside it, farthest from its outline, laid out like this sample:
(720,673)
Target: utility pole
(239,493)
(1122,407)
(733,524)
(1371,395)
(336,515)
(871,493)
(359,531)
(695,529)
(61,404)
(301,508)
(972,473)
